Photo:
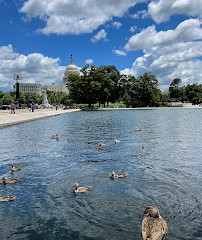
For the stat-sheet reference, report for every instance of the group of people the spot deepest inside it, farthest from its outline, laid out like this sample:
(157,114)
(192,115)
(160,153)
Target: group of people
(30,107)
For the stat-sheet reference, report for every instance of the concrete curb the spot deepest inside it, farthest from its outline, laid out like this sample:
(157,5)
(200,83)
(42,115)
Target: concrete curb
(7,119)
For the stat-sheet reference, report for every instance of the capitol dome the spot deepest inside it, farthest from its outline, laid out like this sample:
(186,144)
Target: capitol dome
(71,69)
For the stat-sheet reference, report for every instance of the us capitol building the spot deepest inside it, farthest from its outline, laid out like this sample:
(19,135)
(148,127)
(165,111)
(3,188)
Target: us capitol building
(71,69)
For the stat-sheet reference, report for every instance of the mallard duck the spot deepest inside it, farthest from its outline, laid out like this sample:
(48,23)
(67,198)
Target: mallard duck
(15,168)
(7,198)
(14,180)
(56,136)
(116,141)
(138,129)
(118,175)
(142,146)
(77,189)
(153,226)
(99,146)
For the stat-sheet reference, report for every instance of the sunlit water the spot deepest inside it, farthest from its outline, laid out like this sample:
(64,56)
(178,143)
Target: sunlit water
(167,173)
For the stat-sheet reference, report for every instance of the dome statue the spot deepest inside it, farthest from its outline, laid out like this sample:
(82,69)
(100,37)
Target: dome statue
(71,69)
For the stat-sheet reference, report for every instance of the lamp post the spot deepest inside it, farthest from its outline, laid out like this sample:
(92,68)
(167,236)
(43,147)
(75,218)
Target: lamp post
(17,77)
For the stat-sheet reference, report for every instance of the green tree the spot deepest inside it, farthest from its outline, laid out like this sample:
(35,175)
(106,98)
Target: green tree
(115,89)
(175,89)
(6,99)
(93,86)
(149,92)
(164,98)
(193,93)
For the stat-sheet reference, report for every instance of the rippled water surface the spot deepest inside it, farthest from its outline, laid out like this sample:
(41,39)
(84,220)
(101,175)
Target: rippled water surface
(167,173)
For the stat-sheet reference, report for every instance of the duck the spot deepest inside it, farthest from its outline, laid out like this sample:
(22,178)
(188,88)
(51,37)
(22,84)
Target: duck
(14,180)
(15,168)
(99,146)
(138,129)
(56,136)
(7,198)
(118,175)
(102,144)
(154,226)
(142,146)
(77,189)
(116,141)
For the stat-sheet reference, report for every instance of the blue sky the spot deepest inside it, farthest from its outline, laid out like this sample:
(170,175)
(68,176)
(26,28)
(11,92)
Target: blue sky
(160,36)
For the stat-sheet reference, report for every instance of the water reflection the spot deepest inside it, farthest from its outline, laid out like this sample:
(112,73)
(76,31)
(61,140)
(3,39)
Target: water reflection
(166,173)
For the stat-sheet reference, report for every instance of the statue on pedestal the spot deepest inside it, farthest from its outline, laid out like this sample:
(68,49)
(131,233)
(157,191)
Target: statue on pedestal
(45,100)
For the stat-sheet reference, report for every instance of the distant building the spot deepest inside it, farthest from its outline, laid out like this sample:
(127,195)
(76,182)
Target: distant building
(71,69)
(29,87)
(38,88)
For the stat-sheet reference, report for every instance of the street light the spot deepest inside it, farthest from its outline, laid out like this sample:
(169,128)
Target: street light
(17,77)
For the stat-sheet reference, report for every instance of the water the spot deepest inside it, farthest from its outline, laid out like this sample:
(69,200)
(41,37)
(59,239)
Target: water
(167,173)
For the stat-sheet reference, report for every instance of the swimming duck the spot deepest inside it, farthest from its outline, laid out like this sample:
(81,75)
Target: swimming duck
(116,141)
(102,144)
(56,136)
(77,189)
(7,198)
(15,168)
(118,175)
(99,146)
(142,146)
(153,226)
(138,129)
(14,180)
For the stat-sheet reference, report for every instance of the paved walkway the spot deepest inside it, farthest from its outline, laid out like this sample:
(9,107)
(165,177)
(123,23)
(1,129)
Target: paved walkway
(23,115)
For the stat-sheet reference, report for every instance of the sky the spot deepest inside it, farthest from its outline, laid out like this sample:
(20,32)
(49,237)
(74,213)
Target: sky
(163,37)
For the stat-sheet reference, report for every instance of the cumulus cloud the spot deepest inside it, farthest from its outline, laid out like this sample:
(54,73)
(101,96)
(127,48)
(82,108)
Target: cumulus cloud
(140,14)
(34,67)
(161,10)
(169,54)
(149,37)
(120,53)
(133,28)
(181,60)
(100,35)
(117,25)
(75,17)
(89,61)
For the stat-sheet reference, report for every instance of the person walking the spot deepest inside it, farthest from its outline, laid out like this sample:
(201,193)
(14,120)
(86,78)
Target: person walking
(32,107)
(12,108)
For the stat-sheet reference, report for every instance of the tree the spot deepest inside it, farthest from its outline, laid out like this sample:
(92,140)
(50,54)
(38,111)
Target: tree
(93,86)
(175,90)
(112,72)
(193,93)
(6,99)
(149,92)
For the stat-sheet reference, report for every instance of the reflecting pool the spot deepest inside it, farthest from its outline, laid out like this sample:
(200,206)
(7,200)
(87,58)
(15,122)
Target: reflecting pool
(167,173)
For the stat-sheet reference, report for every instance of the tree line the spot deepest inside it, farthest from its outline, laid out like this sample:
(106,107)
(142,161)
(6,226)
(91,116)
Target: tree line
(105,84)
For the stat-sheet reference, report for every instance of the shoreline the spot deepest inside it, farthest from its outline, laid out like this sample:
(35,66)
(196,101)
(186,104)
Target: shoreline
(23,115)
(149,108)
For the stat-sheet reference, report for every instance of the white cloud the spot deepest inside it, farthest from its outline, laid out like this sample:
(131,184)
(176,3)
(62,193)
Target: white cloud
(133,28)
(117,25)
(75,17)
(162,10)
(34,67)
(169,54)
(140,14)
(89,61)
(186,31)
(168,62)
(100,35)
(118,52)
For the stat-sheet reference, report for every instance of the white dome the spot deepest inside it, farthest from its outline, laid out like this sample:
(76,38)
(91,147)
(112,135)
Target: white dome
(71,69)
